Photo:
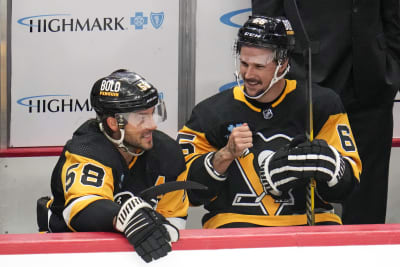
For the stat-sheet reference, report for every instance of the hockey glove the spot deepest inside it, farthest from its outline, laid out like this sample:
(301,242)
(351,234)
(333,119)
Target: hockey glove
(121,197)
(295,164)
(147,230)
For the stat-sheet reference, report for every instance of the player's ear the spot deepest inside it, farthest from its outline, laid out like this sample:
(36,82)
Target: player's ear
(284,66)
(112,124)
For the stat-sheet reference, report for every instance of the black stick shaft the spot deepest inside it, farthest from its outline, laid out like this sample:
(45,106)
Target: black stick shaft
(305,44)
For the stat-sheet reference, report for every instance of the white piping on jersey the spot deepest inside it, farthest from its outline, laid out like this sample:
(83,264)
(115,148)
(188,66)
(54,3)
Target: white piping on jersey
(288,203)
(49,213)
(260,197)
(210,168)
(68,209)
(177,222)
(238,196)
(273,137)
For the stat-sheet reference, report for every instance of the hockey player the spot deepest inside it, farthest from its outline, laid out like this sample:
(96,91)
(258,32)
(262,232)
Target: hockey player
(356,52)
(111,159)
(247,144)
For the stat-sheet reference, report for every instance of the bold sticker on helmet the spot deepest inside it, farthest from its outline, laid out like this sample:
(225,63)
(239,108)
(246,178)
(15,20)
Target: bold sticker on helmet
(110,86)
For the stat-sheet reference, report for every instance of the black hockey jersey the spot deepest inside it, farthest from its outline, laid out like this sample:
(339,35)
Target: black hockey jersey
(91,171)
(241,198)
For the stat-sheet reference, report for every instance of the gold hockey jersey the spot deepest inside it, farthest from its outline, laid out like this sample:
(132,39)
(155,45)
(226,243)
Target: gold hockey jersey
(91,171)
(240,200)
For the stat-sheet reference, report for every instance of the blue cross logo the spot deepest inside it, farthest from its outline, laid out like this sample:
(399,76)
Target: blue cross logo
(138,20)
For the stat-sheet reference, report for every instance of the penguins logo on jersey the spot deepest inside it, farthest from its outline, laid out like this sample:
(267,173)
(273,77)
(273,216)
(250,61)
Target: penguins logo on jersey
(256,197)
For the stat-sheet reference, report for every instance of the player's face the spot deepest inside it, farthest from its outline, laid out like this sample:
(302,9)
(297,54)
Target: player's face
(139,129)
(257,69)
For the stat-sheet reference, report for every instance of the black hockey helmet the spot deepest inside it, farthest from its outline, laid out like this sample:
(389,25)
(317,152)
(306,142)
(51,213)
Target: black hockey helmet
(121,92)
(267,32)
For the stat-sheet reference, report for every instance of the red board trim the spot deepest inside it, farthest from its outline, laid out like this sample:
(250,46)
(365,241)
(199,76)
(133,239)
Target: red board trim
(31,152)
(396,142)
(56,151)
(199,239)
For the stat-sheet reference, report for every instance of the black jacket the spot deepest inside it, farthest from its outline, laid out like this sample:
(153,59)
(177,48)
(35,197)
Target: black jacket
(356,46)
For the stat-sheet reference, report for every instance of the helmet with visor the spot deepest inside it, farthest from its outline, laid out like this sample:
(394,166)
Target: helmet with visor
(124,92)
(274,33)
(126,96)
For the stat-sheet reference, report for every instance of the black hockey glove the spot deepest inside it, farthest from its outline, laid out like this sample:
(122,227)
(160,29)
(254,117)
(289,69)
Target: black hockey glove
(295,164)
(121,197)
(147,230)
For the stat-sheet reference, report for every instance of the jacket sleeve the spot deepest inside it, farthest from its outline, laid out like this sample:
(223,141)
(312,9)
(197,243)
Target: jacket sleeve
(390,12)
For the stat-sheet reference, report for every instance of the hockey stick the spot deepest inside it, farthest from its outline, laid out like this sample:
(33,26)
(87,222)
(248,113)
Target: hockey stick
(161,189)
(305,44)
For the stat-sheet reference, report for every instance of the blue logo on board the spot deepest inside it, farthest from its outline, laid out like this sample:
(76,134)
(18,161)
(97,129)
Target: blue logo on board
(54,103)
(157,19)
(229,85)
(50,23)
(227,18)
(139,21)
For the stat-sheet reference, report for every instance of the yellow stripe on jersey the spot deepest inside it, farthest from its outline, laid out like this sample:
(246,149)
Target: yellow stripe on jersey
(82,176)
(175,203)
(262,220)
(48,204)
(196,143)
(290,86)
(133,161)
(239,95)
(337,133)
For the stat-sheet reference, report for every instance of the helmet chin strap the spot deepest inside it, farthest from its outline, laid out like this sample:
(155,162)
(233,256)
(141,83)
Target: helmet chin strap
(274,80)
(120,142)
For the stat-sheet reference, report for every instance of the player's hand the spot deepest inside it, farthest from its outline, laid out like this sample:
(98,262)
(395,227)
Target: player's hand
(147,230)
(240,140)
(295,164)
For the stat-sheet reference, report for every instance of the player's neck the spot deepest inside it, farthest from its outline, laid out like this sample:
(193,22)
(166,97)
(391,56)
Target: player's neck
(128,157)
(274,92)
